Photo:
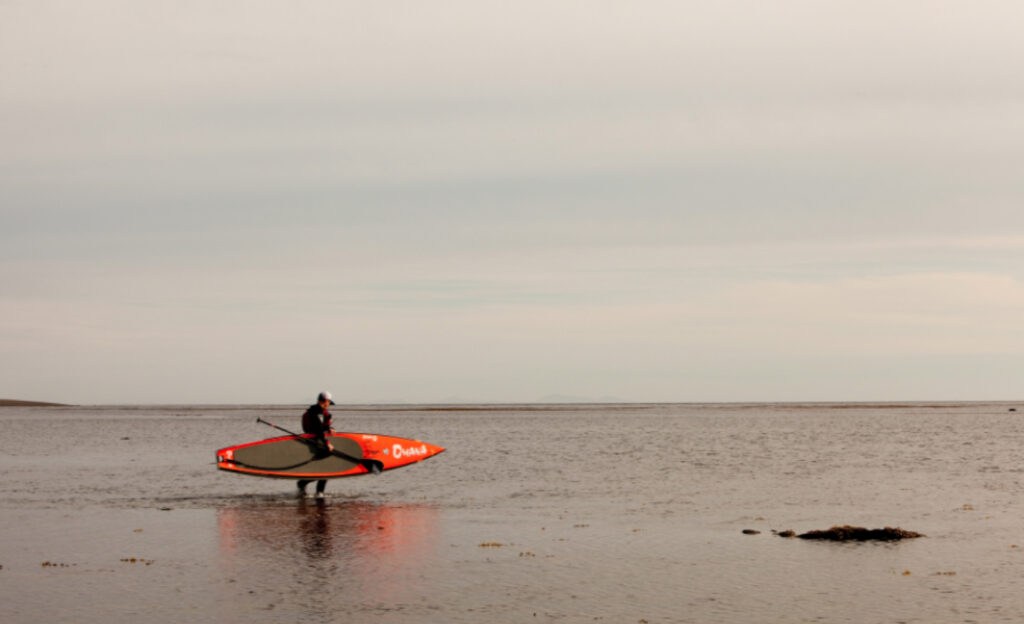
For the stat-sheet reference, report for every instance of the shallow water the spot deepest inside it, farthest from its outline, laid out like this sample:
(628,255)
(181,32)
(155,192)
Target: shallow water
(534,513)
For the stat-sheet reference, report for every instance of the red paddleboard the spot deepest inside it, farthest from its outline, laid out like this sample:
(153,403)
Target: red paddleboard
(301,457)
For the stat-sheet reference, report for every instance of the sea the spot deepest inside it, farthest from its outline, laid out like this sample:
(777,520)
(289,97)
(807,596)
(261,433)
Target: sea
(569,513)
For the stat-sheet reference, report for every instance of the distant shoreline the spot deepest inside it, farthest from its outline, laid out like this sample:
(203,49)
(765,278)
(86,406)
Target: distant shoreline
(556,406)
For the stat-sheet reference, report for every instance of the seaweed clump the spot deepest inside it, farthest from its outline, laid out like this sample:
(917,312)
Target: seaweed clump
(860,534)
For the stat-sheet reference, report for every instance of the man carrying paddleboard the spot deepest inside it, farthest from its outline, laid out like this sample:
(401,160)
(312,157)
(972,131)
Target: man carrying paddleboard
(317,420)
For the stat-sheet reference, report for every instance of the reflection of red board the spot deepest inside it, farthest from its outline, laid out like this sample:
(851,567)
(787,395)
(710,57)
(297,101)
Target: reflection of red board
(299,457)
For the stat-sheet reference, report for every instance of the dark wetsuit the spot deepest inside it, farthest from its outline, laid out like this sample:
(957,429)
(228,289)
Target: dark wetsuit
(318,422)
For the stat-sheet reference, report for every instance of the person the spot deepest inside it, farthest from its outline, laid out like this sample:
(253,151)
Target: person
(317,420)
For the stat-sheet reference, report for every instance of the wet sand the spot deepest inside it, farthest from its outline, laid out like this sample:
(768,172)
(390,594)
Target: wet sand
(616,514)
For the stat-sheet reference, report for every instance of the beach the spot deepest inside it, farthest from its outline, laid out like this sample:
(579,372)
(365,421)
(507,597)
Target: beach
(567,513)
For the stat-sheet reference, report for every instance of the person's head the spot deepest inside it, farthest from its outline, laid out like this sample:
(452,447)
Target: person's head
(325,399)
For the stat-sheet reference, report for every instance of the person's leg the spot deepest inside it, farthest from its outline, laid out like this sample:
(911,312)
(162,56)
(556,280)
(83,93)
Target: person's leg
(302,486)
(321,485)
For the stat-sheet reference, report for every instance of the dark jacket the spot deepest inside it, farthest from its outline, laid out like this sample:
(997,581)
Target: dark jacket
(316,421)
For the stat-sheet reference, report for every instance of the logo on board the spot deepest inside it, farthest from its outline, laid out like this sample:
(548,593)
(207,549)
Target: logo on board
(398,451)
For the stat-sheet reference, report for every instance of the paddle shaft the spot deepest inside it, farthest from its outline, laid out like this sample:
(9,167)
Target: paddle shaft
(336,452)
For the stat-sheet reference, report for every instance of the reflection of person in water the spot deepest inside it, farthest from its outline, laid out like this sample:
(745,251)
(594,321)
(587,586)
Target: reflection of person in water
(315,529)
(317,420)
(305,545)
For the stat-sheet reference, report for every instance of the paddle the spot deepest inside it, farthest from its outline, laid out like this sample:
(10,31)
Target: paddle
(370,465)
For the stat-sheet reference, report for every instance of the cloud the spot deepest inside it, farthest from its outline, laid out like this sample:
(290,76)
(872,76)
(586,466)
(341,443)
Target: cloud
(661,201)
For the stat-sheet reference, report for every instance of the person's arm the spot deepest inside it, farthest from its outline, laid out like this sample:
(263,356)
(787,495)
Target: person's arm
(327,429)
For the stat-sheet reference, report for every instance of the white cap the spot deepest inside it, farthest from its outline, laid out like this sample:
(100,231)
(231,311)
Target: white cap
(325,395)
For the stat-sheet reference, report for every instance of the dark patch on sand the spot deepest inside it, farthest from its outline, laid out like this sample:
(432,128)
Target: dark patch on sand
(860,534)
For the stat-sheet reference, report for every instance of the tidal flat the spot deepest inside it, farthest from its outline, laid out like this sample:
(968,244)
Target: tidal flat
(568,513)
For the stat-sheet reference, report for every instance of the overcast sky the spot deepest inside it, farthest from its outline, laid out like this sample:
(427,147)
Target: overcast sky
(248,202)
